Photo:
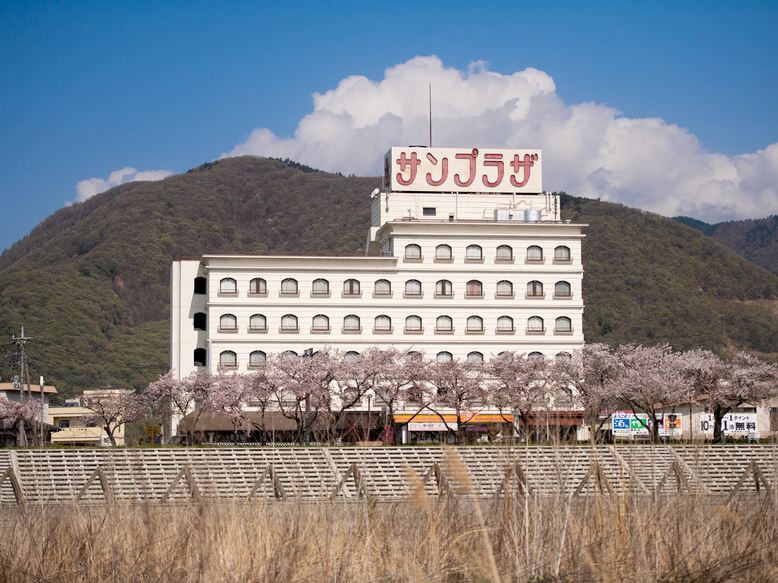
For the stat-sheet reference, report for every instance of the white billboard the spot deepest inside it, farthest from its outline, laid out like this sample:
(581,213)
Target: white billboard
(419,169)
(731,424)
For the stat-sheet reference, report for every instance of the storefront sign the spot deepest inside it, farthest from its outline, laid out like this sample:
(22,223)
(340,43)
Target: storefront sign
(421,169)
(413,426)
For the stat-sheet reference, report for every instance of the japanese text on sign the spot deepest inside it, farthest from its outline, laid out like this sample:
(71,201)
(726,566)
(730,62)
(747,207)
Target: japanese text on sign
(732,423)
(462,170)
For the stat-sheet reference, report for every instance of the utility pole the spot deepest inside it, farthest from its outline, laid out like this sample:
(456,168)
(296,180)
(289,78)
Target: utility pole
(24,374)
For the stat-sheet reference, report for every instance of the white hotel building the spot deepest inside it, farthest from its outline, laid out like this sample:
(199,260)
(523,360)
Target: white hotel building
(466,257)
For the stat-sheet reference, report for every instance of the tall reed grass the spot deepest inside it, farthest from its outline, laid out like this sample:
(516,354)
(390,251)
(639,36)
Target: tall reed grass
(622,537)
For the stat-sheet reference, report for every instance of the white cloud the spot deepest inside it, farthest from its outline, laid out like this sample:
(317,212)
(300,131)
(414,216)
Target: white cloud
(88,188)
(589,149)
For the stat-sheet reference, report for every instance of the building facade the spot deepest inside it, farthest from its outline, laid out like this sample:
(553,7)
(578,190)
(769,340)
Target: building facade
(75,430)
(464,273)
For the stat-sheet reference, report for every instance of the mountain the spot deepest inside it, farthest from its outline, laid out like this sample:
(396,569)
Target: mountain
(754,239)
(91,282)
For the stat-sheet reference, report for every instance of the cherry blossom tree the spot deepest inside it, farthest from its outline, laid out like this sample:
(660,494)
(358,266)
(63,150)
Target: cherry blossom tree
(398,381)
(459,386)
(302,392)
(651,378)
(352,381)
(517,386)
(262,386)
(113,407)
(179,396)
(11,412)
(590,377)
(20,412)
(229,393)
(749,380)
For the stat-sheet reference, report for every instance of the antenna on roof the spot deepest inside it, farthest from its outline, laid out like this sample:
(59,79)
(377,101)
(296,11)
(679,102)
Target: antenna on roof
(430,115)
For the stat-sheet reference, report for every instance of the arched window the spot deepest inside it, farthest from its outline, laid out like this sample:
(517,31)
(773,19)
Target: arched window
(383,287)
(504,288)
(505,324)
(257,359)
(475,324)
(564,357)
(562,253)
(228,322)
(383,323)
(413,252)
(351,323)
(562,290)
(257,286)
(444,356)
(228,359)
(257,322)
(200,354)
(413,356)
(413,324)
(200,285)
(535,356)
(289,322)
(351,287)
(535,324)
(321,323)
(443,253)
(474,253)
(443,288)
(474,288)
(475,357)
(563,324)
(444,324)
(289,286)
(288,353)
(321,287)
(200,319)
(534,289)
(228,286)
(413,287)
(351,356)
(534,253)
(504,253)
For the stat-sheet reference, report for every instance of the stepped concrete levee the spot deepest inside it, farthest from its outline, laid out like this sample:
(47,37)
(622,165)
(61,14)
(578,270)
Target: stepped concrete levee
(385,473)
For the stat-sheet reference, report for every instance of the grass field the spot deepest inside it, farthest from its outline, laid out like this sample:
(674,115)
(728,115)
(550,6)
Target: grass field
(599,537)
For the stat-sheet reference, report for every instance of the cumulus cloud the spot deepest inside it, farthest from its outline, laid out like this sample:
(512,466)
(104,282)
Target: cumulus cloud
(88,188)
(589,149)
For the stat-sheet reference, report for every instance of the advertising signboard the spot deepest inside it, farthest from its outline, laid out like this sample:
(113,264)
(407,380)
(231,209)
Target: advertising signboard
(731,424)
(419,169)
(629,424)
(669,425)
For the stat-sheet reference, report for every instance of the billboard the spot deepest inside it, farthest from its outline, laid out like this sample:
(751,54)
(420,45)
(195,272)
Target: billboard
(419,169)
(629,424)
(731,424)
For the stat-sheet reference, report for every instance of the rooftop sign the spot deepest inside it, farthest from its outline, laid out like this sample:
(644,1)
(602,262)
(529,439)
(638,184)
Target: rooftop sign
(419,169)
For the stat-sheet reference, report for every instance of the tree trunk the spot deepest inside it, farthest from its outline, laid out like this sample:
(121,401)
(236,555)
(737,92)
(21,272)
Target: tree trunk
(22,439)
(109,431)
(718,417)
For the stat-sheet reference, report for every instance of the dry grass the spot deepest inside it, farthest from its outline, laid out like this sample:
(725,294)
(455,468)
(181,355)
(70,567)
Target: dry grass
(624,538)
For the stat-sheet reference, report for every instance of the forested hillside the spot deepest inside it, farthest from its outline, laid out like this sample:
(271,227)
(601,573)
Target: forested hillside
(90,283)
(649,279)
(754,239)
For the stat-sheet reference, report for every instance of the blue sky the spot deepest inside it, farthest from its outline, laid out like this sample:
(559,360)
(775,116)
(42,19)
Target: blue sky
(630,90)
